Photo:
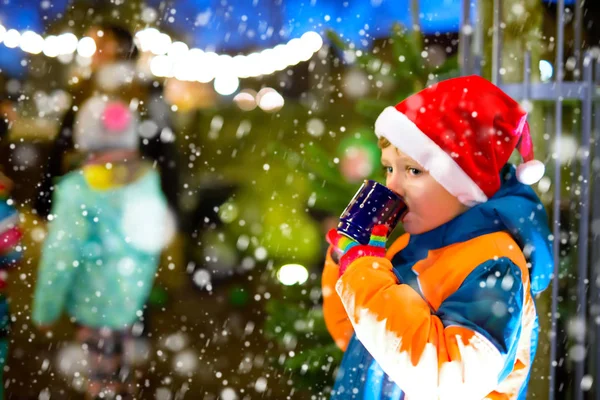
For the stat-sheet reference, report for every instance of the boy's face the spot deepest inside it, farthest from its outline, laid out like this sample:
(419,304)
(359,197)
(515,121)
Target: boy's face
(429,204)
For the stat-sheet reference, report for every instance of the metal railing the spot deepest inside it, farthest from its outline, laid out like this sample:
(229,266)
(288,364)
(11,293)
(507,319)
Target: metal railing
(583,89)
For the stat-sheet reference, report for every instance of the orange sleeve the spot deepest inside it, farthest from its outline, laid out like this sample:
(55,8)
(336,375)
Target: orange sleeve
(336,319)
(334,313)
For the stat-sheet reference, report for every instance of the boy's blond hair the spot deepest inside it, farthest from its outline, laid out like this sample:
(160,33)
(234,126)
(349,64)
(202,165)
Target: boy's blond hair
(383,143)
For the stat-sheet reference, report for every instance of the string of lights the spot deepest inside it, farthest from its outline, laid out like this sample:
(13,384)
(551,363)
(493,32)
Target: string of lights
(173,58)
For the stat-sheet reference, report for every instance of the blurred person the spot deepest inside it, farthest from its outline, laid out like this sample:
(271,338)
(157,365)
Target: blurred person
(10,235)
(110,221)
(8,114)
(113,72)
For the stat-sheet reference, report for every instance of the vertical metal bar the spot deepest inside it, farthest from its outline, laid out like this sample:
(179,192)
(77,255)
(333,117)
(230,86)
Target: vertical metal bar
(595,295)
(584,225)
(577,35)
(466,31)
(497,43)
(478,41)
(527,76)
(557,189)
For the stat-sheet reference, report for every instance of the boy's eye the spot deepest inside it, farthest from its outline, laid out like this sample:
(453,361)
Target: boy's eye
(388,170)
(414,171)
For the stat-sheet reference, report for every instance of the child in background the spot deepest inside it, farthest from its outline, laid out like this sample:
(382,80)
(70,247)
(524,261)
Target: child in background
(10,235)
(447,312)
(110,221)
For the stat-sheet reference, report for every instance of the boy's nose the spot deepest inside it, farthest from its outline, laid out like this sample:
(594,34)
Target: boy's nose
(396,186)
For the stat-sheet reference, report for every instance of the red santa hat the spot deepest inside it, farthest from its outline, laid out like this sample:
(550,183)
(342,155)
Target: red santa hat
(463,131)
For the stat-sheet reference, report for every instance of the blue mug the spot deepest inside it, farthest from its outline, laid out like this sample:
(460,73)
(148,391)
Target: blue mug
(373,204)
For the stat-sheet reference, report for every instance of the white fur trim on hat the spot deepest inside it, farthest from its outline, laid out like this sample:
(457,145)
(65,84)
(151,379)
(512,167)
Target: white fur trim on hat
(402,133)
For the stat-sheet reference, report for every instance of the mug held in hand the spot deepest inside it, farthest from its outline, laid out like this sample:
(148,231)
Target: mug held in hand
(373,204)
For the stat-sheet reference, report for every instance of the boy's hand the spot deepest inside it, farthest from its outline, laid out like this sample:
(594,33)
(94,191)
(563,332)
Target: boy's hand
(339,244)
(348,250)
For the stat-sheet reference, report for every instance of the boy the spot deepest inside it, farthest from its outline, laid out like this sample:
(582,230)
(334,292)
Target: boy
(110,223)
(447,312)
